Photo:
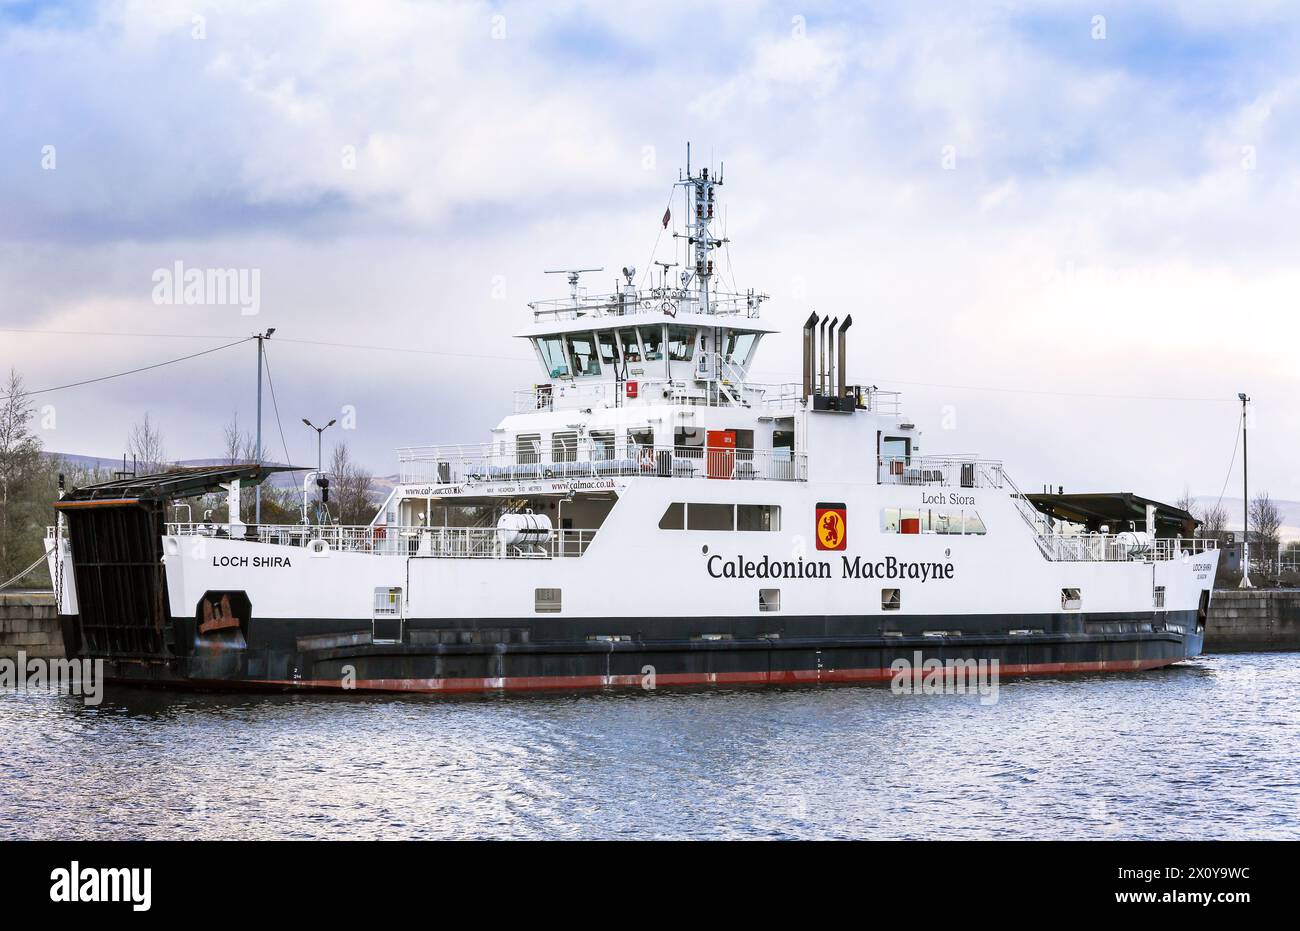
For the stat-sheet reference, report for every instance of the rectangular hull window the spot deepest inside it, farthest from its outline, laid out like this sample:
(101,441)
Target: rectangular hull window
(769,599)
(891,599)
(1071,599)
(564,447)
(931,520)
(528,448)
(758,517)
(710,517)
(546,601)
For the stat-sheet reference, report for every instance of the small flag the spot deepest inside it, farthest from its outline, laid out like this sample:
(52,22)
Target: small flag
(668,215)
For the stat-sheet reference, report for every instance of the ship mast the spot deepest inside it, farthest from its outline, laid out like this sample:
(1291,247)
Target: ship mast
(700,241)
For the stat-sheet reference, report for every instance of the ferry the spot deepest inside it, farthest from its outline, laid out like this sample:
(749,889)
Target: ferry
(649,515)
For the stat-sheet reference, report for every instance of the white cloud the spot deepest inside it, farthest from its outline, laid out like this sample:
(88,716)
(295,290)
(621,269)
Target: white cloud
(1098,234)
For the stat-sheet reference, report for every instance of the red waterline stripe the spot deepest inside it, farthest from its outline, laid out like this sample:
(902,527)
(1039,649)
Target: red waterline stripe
(785,677)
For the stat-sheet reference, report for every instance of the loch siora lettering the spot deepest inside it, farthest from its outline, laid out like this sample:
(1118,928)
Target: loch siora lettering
(891,567)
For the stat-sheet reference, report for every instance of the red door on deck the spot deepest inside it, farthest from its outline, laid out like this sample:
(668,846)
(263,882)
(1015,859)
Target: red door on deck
(720,450)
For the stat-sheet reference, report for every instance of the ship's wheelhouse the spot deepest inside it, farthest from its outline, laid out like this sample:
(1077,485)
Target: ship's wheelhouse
(649,348)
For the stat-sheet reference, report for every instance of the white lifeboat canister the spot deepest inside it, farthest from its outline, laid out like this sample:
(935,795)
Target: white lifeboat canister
(524,529)
(1136,541)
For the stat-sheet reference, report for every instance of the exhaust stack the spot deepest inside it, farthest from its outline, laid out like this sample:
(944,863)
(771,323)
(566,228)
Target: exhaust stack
(809,334)
(825,364)
(843,352)
(822,353)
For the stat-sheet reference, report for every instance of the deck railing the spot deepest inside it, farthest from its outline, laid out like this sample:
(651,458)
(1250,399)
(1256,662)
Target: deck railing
(431,542)
(670,302)
(593,460)
(947,472)
(1110,547)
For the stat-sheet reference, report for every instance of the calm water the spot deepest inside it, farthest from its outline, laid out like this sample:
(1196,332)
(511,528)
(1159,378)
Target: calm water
(1206,750)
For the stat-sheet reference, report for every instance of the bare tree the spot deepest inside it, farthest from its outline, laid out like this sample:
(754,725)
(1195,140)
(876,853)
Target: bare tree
(352,486)
(1214,522)
(1185,501)
(1265,523)
(238,446)
(145,445)
(20,461)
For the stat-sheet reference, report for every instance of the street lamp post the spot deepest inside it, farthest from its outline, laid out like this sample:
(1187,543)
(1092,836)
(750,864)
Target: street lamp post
(1245,500)
(319,432)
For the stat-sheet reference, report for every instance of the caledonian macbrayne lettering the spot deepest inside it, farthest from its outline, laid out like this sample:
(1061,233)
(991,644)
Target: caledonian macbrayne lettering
(890,567)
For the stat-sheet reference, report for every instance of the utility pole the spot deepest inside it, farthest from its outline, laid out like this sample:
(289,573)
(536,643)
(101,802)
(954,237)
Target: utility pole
(1245,500)
(257,501)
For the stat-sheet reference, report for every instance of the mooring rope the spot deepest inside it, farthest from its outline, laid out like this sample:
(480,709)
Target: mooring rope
(40,559)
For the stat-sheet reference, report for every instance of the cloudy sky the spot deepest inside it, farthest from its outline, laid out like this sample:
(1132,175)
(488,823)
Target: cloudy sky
(1067,232)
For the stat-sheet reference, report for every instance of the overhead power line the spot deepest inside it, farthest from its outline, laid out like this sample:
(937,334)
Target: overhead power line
(45,332)
(143,368)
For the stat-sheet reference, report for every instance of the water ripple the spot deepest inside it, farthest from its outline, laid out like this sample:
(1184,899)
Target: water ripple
(1203,750)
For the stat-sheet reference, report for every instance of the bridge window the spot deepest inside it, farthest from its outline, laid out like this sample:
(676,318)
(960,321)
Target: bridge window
(608,348)
(582,350)
(631,348)
(552,350)
(652,337)
(739,346)
(681,343)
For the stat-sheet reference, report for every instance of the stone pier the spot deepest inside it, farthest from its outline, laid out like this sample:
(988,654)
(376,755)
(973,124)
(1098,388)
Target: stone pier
(28,623)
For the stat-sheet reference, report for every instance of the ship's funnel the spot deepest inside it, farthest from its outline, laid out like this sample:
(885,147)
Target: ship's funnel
(809,331)
(843,354)
(821,356)
(830,355)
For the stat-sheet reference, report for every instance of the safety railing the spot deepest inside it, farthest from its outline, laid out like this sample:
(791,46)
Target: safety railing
(672,302)
(578,460)
(430,542)
(1121,547)
(952,473)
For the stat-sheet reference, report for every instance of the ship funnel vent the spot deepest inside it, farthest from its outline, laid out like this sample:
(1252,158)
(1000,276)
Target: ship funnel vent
(825,361)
